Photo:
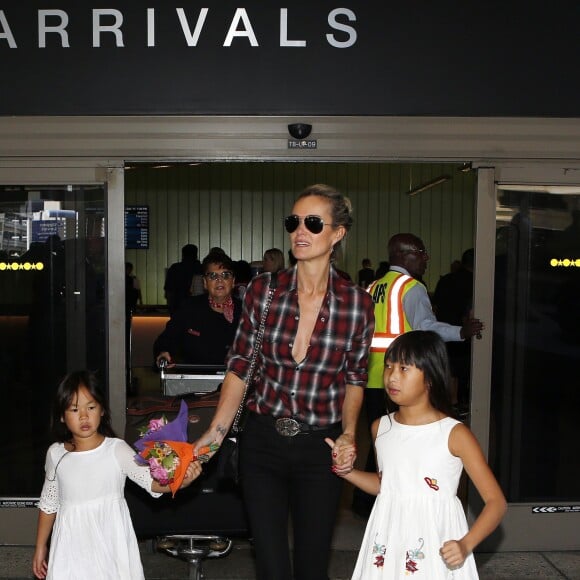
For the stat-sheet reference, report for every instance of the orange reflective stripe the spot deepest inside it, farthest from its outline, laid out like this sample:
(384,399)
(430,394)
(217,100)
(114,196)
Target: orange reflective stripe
(396,314)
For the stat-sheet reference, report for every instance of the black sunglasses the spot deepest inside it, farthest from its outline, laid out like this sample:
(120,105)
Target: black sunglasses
(313,223)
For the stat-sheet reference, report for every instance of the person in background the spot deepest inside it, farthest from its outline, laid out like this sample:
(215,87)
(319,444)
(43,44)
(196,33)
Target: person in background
(312,370)
(273,260)
(401,304)
(179,277)
(82,505)
(132,298)
(418,525)
(366,274)
(132,288)
(452,302)
(382,269)
(203,328)
(243,272)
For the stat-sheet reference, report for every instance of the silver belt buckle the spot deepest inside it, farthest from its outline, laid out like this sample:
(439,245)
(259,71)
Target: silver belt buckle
(287,427)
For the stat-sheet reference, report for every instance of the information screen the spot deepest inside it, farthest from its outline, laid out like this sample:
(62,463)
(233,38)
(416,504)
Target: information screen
(137,227)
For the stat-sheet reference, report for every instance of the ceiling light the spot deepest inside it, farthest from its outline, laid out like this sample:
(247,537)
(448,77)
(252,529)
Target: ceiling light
(428,185)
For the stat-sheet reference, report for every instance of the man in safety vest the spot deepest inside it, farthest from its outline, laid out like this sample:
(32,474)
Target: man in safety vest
(401,304)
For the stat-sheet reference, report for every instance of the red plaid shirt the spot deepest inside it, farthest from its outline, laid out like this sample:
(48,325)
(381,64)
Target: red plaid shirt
(313,390)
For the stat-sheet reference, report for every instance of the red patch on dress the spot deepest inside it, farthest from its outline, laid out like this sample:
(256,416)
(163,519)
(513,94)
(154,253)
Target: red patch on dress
(193,332)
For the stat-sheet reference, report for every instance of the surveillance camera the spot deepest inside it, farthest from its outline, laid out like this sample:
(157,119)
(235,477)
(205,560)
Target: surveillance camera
(299,130)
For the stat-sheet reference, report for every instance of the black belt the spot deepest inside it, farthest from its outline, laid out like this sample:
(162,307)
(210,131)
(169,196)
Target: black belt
(289,427)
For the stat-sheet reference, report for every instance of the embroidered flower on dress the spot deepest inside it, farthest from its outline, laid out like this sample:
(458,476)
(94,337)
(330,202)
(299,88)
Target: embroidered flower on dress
(379,551)
(432,483)
(411,558)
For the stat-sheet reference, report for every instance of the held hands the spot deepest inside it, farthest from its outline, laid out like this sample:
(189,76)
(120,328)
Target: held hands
(209,443)
(453,553)
(192,472)
(343,454)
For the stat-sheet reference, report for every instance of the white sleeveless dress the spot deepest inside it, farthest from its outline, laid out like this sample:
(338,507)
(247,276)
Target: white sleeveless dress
(93,536)
(417,509)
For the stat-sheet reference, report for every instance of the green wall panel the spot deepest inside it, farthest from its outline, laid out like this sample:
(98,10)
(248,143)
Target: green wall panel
(240,206)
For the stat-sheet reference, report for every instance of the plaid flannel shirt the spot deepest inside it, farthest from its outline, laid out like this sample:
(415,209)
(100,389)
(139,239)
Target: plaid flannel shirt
(313,389)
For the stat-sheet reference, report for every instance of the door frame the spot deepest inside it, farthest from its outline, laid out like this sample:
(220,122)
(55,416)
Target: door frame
(18,525)
(543,531)
(79,150)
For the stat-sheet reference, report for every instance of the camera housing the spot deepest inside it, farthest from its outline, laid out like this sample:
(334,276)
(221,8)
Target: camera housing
(299,130)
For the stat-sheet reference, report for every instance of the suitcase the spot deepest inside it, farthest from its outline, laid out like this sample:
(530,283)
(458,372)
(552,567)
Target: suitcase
(201,520)
(184,379)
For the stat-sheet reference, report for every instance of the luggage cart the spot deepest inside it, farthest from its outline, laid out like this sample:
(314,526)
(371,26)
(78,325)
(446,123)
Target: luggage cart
(201,520)
(185,379)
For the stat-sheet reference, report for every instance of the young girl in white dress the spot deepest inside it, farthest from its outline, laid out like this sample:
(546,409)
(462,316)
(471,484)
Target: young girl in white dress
(82,502)
(417,528)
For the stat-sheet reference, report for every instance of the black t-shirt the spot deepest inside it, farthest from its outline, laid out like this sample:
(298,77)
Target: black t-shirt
(178,282)
(196,334)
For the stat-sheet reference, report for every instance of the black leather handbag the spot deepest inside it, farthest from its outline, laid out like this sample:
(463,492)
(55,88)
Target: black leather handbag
(229,453)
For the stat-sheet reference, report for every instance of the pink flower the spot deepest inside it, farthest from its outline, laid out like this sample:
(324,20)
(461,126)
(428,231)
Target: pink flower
(158,472)
(156,424)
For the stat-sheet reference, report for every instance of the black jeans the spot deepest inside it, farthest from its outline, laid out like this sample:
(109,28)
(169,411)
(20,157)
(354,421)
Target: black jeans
(289,476)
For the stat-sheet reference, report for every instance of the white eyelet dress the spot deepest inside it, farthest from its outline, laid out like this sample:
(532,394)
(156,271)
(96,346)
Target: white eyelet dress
(93,536)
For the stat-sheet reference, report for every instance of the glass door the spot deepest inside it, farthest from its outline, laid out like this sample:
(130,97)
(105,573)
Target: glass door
(52,314)
(534,431)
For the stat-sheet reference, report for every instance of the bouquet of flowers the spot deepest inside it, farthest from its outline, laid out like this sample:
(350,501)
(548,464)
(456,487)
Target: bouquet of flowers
(163,446)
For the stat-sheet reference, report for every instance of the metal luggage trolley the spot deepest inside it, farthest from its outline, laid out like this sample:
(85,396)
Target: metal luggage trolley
(185,379)
(202,519)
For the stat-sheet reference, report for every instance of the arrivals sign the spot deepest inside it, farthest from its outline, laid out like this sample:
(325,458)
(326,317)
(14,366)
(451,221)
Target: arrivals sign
(250,57)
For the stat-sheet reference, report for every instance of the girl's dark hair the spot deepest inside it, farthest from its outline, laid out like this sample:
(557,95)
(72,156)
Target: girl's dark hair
(425,350)
(64,397)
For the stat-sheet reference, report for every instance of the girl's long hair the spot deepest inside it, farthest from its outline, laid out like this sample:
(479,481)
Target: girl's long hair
(65,394)
(425,350)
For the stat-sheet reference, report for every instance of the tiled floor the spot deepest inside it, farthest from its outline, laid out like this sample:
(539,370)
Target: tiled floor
(239,564)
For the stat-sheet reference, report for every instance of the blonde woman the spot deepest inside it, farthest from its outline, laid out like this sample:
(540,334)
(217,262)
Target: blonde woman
(310,384)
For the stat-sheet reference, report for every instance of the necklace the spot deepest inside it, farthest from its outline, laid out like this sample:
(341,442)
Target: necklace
(58,462)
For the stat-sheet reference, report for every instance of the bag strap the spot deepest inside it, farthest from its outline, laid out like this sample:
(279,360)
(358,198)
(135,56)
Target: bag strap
(257,348)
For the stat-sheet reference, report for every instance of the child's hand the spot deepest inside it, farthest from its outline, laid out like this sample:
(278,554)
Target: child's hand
(453,553)
(39,565)
(192,472)
(343,455)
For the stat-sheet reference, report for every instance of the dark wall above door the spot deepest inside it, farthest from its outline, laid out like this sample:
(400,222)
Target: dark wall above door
(364,57)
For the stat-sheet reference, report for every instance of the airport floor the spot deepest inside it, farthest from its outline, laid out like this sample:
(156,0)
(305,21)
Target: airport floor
(15,561)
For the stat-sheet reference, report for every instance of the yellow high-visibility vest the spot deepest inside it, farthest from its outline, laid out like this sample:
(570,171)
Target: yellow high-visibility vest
(390,319)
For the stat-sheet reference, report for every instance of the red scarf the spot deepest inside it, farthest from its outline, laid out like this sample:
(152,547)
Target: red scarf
(227,307)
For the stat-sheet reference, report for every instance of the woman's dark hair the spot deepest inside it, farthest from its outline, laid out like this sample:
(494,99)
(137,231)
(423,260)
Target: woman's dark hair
(219,259)
(425,350)
(65,395)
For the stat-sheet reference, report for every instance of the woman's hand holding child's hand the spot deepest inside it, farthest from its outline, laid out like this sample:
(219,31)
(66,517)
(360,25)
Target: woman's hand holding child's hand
(343,454)
(453,553)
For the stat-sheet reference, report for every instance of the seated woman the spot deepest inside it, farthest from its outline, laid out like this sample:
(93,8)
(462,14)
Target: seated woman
(203,328)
